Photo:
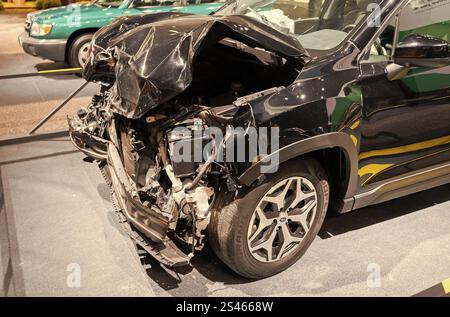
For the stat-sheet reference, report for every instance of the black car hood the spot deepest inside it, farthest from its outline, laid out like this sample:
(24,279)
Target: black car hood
(148,59)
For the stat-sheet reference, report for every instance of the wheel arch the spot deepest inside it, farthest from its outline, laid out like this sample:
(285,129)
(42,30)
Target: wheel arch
(334,151)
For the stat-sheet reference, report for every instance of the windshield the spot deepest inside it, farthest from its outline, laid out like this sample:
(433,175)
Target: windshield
(318,24)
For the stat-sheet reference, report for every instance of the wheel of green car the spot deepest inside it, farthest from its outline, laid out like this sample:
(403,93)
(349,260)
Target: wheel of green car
(79,49)
(269,227)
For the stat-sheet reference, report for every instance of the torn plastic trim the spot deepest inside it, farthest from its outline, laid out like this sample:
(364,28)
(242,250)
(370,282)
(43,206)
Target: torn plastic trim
(151,224)
(91,145)
(165,252)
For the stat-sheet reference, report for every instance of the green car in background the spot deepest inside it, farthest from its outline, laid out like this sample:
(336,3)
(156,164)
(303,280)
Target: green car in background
(63,34)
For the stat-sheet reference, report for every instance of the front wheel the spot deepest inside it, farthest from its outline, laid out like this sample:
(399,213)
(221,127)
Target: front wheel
(268,228)
(79,50)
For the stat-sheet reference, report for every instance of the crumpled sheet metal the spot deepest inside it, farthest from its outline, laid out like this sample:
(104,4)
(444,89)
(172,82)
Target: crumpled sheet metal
(153,54)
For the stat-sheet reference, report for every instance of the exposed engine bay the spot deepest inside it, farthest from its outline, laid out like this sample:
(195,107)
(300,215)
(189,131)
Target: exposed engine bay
(157,99)
(171,199)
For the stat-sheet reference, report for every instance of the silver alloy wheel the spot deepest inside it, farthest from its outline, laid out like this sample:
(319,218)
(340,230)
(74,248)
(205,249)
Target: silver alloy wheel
(282,219)
(83,53)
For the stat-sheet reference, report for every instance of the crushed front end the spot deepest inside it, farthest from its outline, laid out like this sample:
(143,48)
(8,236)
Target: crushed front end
(159,201)
(164,79)
(165,203)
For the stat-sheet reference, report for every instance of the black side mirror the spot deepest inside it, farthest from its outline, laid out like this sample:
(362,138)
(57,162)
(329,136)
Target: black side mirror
(421,50)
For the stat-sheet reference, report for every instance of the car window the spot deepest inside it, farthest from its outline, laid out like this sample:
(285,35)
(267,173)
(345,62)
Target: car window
(383,47)
(318,24)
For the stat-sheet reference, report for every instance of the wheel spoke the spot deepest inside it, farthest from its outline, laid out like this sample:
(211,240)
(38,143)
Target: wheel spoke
(300,195)
(266,244)
(272,199)
(309,206)
(284,192)
(288,239)
(264,222)
(279,199)
(302,217)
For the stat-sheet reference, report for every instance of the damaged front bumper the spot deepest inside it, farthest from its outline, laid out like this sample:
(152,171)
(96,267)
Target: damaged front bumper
(145,226)
(91,145)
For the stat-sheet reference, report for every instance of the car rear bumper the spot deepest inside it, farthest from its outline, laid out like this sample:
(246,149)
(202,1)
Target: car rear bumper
(52,49)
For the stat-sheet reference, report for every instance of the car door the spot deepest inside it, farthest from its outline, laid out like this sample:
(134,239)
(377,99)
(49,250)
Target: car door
(405,125)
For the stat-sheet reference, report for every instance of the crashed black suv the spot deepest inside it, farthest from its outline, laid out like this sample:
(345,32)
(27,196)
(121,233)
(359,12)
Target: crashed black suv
(244,127)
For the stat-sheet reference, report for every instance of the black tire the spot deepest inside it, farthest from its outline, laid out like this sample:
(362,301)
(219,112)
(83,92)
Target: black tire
(75,47)
(231,217)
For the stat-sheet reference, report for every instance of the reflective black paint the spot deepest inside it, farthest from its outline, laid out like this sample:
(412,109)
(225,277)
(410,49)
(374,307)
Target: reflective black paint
(394,129)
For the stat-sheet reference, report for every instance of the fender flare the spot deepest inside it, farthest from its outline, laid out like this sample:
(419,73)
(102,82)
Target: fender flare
(305,146)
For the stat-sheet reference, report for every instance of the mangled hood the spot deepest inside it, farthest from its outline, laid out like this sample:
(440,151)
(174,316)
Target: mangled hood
(148,59)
